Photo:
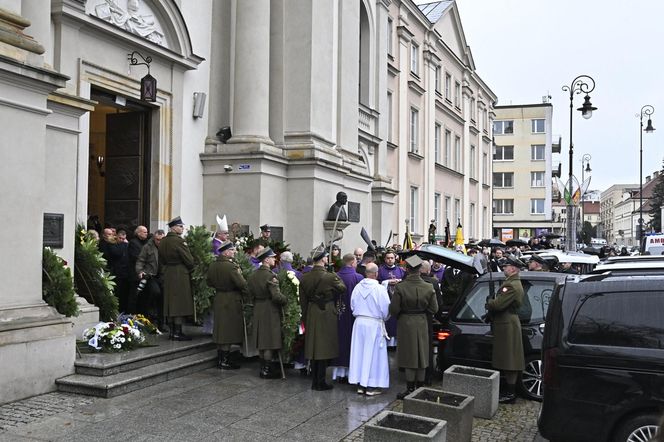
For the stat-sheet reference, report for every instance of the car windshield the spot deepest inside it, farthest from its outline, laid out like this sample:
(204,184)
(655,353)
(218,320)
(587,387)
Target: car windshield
(533,309)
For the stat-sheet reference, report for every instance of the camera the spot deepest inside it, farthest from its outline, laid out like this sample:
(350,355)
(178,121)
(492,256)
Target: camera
(228,167)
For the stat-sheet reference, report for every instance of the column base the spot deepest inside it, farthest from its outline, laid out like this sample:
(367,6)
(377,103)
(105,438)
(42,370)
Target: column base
(88,316)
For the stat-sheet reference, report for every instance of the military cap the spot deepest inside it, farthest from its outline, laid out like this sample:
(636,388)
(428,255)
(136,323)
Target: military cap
(177,221)
(226,245)
(413,262)
(511,261)
(318,253)
(265,228)
(265,253)
(535,257)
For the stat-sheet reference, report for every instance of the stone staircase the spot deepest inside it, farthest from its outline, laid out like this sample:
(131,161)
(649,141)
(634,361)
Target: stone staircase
(114,374)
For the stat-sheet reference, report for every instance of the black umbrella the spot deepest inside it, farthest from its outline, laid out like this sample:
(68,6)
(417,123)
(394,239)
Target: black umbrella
(591,251)
(552,236)
(446,256)
(493,242)
(516,242)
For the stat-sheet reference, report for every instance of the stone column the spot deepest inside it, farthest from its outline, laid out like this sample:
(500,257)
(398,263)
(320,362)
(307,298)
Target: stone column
(431,61)
(403,114)
(251,76)
(40,25)
(465,146)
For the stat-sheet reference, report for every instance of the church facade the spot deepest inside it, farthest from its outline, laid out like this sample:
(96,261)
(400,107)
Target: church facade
(262,110)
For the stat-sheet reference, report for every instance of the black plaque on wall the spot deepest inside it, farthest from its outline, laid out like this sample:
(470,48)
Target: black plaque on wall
(353,212)
(54,224)
(276,233)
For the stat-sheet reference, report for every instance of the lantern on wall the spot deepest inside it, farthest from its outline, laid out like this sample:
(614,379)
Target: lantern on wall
(148,83)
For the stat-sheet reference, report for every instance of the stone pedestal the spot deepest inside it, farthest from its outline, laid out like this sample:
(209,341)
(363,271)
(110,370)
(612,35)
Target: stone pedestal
(88,316)
(332,235)
(482,384)
(454,408)
(391,426)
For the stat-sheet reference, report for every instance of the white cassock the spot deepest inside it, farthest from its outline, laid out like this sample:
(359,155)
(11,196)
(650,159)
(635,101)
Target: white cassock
(368,348)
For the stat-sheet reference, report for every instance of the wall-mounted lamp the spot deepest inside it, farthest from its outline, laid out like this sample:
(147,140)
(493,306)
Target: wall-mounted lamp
(224,134)
(199,104)
(148,83)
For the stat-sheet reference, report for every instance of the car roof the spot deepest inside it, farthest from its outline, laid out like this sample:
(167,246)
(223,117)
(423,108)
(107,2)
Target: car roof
(573,257)
(628,265)
(637,258)
(525,275)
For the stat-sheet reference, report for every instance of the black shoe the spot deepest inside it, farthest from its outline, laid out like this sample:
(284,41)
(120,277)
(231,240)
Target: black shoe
(226,363)
(410,387)
(507,398)
(220,359)
(323,387)
(178,335)
(268,372)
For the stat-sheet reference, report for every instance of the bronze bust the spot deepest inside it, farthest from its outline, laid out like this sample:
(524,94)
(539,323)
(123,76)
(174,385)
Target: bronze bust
(337,209)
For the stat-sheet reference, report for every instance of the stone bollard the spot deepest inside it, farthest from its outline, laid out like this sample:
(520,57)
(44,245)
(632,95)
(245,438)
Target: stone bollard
(482,384)
(390,426)
(454,408)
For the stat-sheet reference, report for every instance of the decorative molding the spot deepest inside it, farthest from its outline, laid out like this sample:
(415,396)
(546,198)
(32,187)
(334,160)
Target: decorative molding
(135,18)
(11,32)
(415,86)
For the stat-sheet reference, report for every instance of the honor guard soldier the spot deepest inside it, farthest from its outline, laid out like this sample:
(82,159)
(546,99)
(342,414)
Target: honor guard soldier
(507,353)
(265,239)
(268,302)
(177,262)
(319,290)
(412,301)
(226,277)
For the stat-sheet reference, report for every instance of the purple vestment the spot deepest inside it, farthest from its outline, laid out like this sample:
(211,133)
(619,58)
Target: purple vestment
(283,265)
(254,262)
(216,244)
(386,273)
(345,325)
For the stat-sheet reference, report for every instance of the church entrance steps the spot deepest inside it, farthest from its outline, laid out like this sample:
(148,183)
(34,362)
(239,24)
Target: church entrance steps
(114,374)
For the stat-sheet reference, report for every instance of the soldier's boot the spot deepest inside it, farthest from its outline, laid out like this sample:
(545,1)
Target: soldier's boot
(410,387)
(320,374)
(314,375)
(509,396)
(226,363)
(220,359)
(178,335)
(267,372)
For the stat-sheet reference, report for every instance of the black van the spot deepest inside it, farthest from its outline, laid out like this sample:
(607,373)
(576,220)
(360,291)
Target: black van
(603,357)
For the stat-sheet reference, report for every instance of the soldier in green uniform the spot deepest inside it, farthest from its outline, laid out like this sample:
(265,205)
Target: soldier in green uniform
(507,342)
(268,302)
(226,277)
(177,263)
(412,301)
(537,264)
(319,291)
(264,239)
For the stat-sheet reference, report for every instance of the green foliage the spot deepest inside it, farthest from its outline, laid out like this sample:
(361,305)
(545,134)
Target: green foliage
(91,277)
(247,269)
(656,203)
(57,284)
(279,246)
(587,233)
(199,240)
(298,261)
(292,315)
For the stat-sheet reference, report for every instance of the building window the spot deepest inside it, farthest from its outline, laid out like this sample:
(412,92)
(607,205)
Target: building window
(472,109)
(414,127)
(537,152)
(537,126)
(536,179)
(457,154)
(485,168)
(485,219)
(457,211)
(448,87)
(503,179)
(536,206)
(389,116)
(389,35)
(414,59)
(438,79)
(436,143)
(471,221)
(413,208)
(448,208)
(436,211)
(503,153)
(503,207)
(503,127)
(448,148)
(472,162)
(457,94)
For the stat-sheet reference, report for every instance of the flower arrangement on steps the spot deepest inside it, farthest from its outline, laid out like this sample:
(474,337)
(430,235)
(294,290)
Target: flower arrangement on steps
(127,333)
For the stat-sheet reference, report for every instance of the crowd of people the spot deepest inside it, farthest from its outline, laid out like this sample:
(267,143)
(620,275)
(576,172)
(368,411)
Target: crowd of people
(354,306)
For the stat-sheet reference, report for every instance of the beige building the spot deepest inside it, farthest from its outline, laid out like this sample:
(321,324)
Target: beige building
(522,170)
(616,214)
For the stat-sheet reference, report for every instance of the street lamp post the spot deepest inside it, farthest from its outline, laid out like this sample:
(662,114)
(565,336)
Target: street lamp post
(581,84)
(585,160)
(646,111)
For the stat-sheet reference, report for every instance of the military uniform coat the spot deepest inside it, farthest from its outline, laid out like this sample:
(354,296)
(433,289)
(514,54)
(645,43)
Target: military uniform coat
(507,339)
(225,276)
(177,263)
(267,300)
(320,287)
(412,301)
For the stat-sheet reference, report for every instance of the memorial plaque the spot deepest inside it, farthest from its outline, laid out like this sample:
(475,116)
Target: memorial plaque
(277,233)
(353,212)
(54,230)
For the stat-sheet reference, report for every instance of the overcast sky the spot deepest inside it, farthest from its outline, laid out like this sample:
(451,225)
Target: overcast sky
(524,49)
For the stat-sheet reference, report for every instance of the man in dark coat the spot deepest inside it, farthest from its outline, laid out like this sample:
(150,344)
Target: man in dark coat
(225,276)
(507,341)
(425,271)
(177,263)
(319,291)
(455,283)
(412,301)
(149,296)
(268,302)
(350,278)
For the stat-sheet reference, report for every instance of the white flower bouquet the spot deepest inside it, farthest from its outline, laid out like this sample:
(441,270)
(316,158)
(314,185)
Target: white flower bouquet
(113,337)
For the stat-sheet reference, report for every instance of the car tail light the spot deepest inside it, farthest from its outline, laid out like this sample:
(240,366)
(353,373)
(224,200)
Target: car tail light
(550,368)
(443,335)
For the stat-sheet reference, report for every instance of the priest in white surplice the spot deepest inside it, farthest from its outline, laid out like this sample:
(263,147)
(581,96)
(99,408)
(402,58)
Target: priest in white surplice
(370,304)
